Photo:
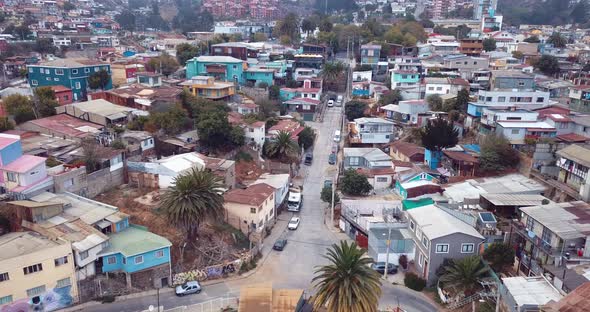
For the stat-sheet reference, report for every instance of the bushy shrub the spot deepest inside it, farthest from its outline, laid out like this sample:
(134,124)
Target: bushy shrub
(413,281)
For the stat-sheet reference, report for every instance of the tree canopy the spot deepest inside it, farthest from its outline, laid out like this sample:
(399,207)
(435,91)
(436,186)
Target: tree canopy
(497,154)
(164,63)
(185,52)
(288,27)
(489,44)
(548,65)
(99,79)
(20,107)
(126,20)
(500,256)
(439,134)
(355,109)
(557,40)
(354,183)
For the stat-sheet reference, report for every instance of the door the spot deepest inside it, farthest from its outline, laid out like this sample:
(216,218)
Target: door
(425,273)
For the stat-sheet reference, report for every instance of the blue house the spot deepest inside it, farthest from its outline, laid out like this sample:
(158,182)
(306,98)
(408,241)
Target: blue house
(370,54)
(70,73)
(416,184)
(259,75)
(132,248)
(223,68)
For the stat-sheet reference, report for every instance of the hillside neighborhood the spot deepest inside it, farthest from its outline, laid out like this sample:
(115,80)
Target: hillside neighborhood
(294,155)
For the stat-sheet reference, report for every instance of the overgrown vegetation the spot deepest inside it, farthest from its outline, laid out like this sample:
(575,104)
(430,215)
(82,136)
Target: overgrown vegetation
(414,282)
(497,154)
(355,184)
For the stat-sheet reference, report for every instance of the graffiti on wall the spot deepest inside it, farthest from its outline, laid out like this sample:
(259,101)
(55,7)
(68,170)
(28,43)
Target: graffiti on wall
(208,273)
(51,300)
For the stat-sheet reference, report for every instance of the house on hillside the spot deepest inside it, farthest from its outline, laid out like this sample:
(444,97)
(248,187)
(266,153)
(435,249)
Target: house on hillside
(251,209)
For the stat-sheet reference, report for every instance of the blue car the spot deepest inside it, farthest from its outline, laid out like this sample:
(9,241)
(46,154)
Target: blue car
(332,159)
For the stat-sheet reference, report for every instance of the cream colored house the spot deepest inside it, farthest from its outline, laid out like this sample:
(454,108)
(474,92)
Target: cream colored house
(250,209)
(36,272)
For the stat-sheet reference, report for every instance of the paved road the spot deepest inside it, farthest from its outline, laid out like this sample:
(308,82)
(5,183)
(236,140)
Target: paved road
(294,266)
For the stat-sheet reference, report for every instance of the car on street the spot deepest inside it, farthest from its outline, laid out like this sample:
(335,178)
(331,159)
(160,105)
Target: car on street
(380,267)
(335,148)
(192,287)
(293,223)
(308,159)
(339,100)
(279,244)
(337,136)
(330,103)
(332,159)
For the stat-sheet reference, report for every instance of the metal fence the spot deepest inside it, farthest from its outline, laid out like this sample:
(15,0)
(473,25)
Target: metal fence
(215,305)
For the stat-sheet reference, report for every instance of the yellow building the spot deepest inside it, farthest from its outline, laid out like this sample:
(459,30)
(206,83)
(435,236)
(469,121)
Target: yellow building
(36,272)
(250,209)
(207,87)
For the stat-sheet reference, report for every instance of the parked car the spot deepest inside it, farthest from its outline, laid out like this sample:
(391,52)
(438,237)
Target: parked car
(332,159)
(188,288)
(330,103)
(308,159)
(279,244)
(293,223)
(380,267)
(335,148)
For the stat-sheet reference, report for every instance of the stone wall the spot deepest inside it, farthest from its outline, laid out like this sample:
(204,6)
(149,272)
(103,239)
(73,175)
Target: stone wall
(104,180)
(256,93)
(156,277)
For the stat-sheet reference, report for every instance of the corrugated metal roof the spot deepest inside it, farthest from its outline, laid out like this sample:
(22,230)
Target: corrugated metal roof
(521,200)
(567,220)
(435,223)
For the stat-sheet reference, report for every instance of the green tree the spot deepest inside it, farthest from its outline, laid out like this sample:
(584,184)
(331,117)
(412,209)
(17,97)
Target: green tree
(326,25)
(532,39)
(331,72)
(164,64)
(548,65)
(497,154)
(20,107)
(45,46)
(355,109)
(99,79)
(464,274)
(518,55)
(500,256)
(439,134)
(215,130)
(308,25)
(462,100)
(557,40)
(355,184)
(45,101)
(307,137)
(274,92)
(580,12)
(126,20)
(435,102)
(90,156)
(288,27)
(6,124)
(390,97)
(185,52)
(193,198)
(489,44)
(326,195)
(259,37)
(282,146)
(172,121)
(347,283)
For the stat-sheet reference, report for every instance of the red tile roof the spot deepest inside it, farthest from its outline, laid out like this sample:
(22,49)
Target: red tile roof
(460,156)
(60,89)
(408,149)
(254,195)
(23,164)
(376,171)
(65,124)
(573,138)
(4,142)
(576,301)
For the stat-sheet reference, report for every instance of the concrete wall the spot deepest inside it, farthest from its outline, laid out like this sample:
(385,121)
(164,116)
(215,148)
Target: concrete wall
(104,180)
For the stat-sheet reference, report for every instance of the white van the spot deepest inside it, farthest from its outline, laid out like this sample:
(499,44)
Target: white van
(339,100)
(337,136)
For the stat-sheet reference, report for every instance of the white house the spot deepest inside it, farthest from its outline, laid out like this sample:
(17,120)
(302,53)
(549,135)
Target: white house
(518,131)
(280,182)
(371,130)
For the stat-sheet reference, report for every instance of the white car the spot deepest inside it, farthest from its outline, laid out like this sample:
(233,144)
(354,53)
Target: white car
(330,103)
(293,223)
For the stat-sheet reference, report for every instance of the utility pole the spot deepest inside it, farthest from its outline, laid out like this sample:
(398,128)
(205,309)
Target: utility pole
(387,254)
(326,8)
(334,193)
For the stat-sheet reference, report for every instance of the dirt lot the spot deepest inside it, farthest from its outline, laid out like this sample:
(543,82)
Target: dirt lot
(217,243)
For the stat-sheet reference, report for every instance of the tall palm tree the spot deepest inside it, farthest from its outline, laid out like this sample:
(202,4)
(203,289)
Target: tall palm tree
(347,284)
(194,197)
(332,71)
(282,146)
(464,274)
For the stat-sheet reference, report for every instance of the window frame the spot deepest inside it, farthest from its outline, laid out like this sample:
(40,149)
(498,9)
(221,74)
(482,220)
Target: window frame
(60,261)
(442,250)
(412,225)
(136,258)
(466,250)
(59,71)
(83,255)
(5,276)
(6,299)
(111,260)
(61,283)
(38,290)
(159,253)
(31,269)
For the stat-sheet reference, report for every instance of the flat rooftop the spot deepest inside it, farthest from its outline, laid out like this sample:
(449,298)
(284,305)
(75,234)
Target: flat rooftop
(18,244)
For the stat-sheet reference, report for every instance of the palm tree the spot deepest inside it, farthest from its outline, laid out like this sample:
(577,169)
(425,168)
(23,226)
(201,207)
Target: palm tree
(464,274)
(332,71)
(347,284)
(194,197)
(282,146)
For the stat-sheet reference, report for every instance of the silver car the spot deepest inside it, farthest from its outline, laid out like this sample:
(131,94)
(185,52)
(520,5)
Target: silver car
(188,288)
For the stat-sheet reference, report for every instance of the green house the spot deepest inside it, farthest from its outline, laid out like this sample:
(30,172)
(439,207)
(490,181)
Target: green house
(223,68)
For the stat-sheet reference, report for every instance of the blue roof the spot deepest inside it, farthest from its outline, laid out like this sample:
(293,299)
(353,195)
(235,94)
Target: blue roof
(473,147)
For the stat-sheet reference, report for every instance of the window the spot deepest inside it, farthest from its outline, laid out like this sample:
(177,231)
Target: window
(11,176)
(515,131)
(56,79)
(74,71)
(31,70)
(47,71)
(159,253)
(467,248)
(138,260)
(382,179)
(546,237)
(235,66)
(111,260)
(48,78)
(512,99)
(354,161)
(421,259)
(404,76)
(63,282)
(61,261)
(124,260)
(252,210)
(530,223)
(438,88)
(412,225)
(33,268)
(59,71)
(425,241)
(521,84)
(431,88)
(86,70)
(84,255)
(540,99)
(96,69)
(501,99)
(489,99)
(6,299)
(36,291)
(4,277)
(442,248)
(34,82)
(78,85)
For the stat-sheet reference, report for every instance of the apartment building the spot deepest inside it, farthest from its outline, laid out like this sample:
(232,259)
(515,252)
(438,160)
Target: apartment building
(36,273)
